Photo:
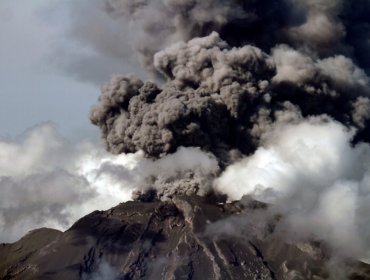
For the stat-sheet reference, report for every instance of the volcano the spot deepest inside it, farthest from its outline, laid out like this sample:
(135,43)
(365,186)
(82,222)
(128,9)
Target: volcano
(170,239)
(247,148)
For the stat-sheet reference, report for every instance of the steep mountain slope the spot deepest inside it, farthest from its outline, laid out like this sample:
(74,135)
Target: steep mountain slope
(163,240)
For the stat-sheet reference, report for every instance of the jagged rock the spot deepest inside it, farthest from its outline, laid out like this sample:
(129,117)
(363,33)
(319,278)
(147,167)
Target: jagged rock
(161,240)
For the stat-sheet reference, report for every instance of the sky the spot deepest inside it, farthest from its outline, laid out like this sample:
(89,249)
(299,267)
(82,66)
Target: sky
(34,87)
(52,162)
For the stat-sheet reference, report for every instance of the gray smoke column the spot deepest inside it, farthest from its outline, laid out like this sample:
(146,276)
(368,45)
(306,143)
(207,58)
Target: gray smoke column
(229,72)
(224,99)
(323,27)
(277,90)
(275,93)
(210,89)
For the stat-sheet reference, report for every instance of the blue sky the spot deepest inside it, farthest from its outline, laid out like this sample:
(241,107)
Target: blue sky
(49,79)
(32,88)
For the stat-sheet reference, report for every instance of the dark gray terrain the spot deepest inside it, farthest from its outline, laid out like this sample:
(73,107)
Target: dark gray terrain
(165,240)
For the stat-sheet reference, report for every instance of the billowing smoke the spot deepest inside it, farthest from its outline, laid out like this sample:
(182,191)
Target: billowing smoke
(111,28)
(224,99)
(208,93)
(278,91)
(270,97)
(261,64)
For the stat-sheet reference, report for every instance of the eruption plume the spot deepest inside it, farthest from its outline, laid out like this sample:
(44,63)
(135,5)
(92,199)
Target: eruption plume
(265,103)
(225,99)
(264,86)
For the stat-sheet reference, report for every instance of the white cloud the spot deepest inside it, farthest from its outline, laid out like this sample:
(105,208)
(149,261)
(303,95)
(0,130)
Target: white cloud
(45,181)
(312,174)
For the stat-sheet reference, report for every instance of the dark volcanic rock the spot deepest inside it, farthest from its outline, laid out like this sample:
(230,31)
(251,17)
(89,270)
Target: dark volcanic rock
(161,240)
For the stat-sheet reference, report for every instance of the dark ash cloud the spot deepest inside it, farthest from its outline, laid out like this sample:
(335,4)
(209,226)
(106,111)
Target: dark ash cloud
(117,30)
(224,99)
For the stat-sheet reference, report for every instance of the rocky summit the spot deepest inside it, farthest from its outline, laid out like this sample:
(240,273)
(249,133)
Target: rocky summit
(170,239)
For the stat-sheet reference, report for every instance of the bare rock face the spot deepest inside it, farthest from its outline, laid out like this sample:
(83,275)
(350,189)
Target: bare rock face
(162,240)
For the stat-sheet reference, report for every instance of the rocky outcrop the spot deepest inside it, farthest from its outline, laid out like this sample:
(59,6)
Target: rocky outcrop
(161,240)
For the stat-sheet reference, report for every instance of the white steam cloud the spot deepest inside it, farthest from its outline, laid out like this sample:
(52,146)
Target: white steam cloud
(45,181)
(312,175)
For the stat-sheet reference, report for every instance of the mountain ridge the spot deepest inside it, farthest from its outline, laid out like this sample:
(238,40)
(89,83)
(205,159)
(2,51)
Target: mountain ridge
(164,240)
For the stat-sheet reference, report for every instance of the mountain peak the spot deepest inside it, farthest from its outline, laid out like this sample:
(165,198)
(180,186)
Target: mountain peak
(164,240)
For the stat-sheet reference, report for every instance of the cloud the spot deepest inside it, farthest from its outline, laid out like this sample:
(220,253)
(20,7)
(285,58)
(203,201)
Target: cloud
(46,181)
(312,175)
(109,33)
